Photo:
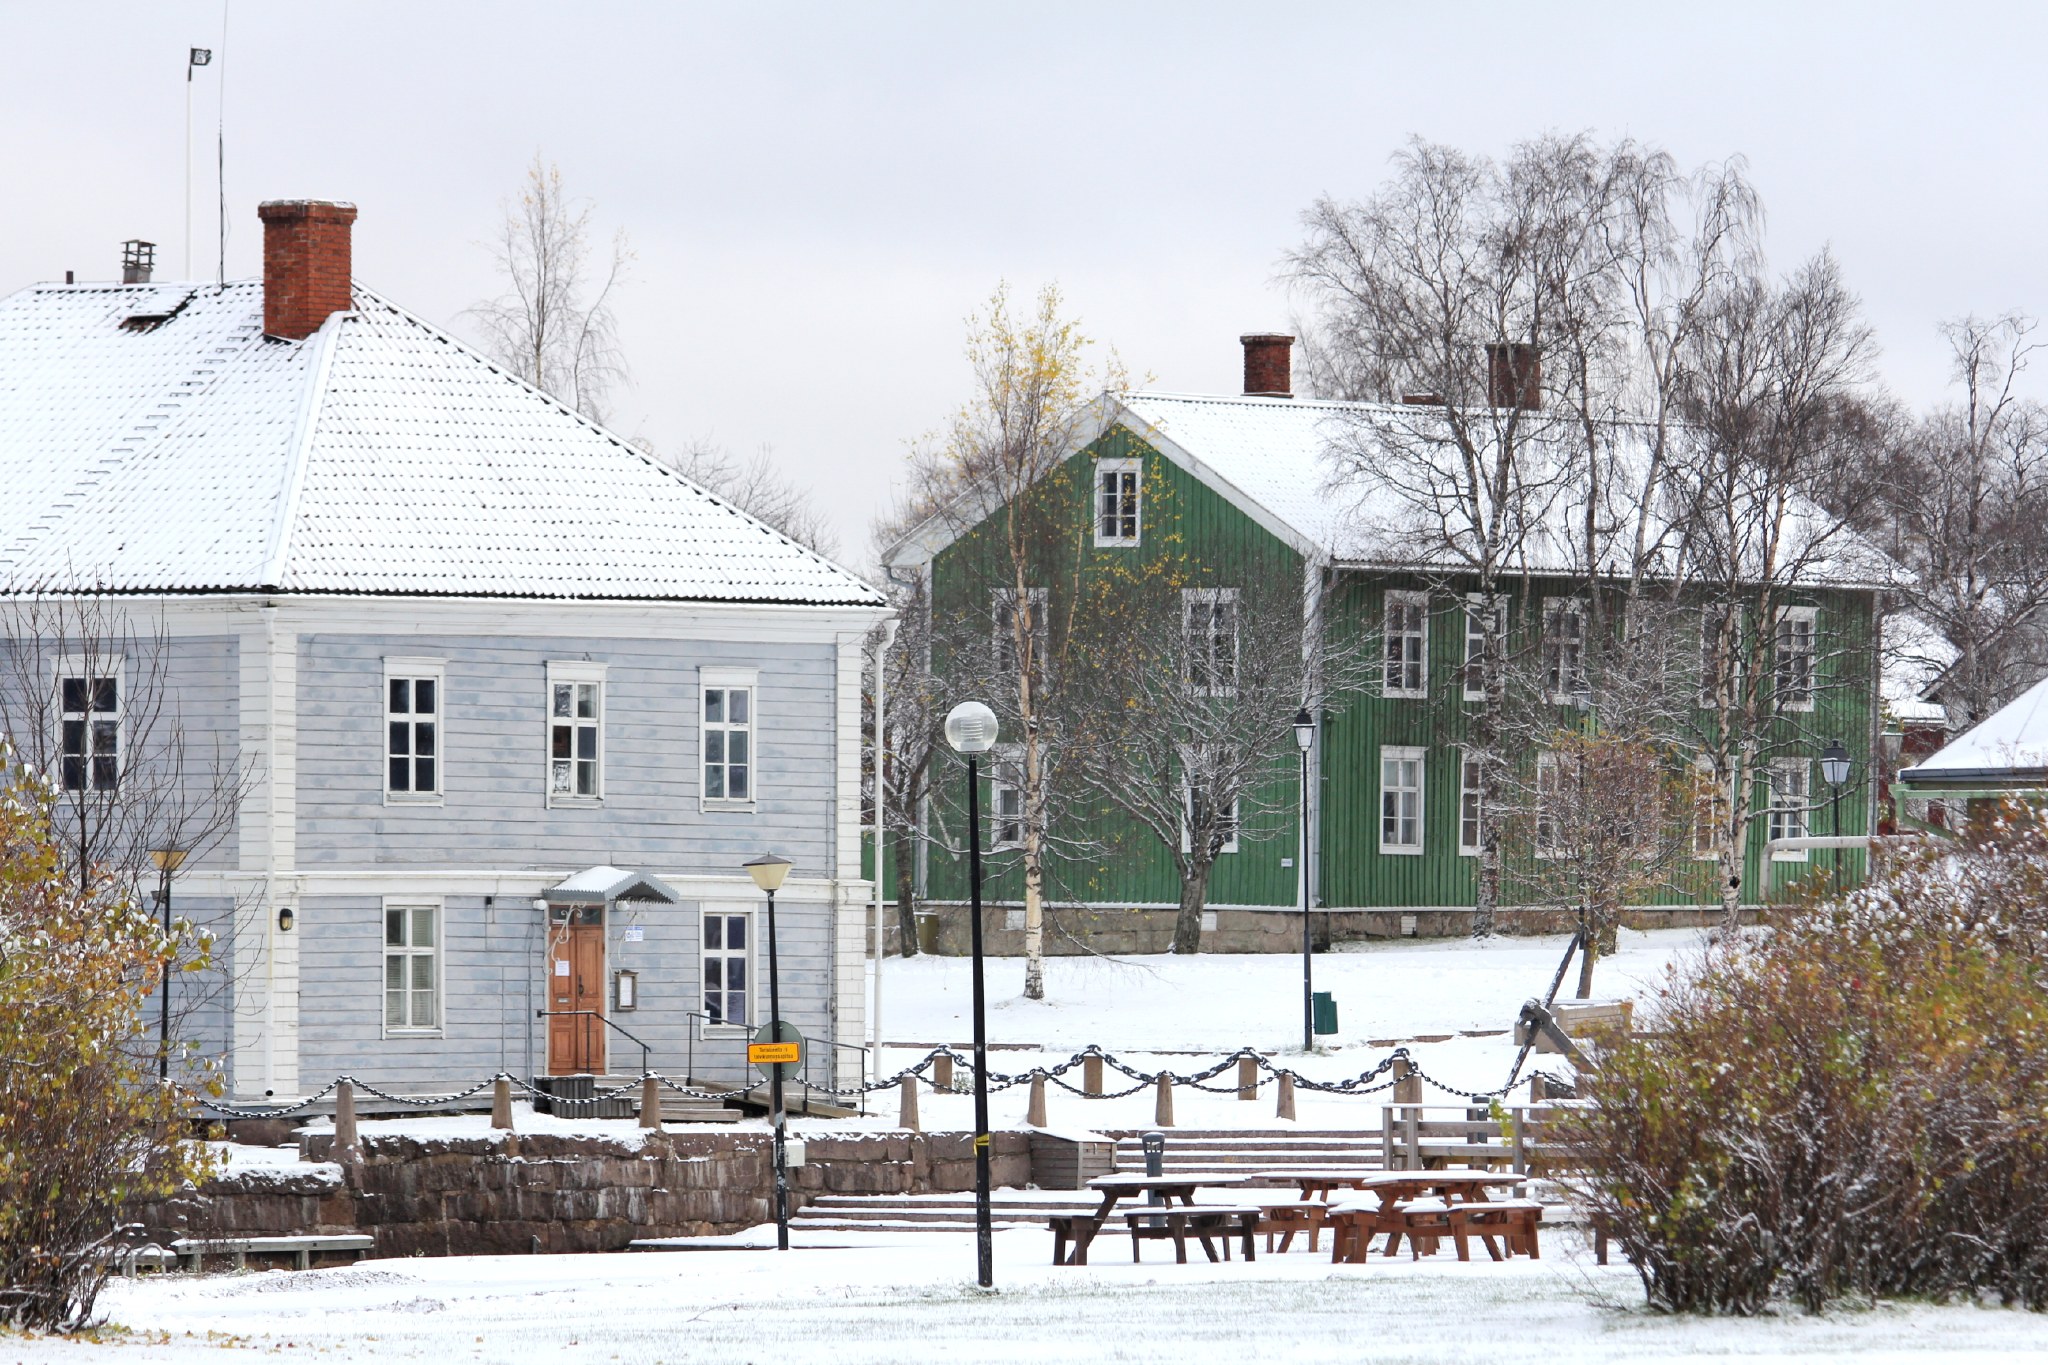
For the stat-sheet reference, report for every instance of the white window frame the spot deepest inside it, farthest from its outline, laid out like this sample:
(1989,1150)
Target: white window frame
(409,906)
(1402,601)
(1100,515)
(1231,819)
(1005,784)
(1473,683)
(1401,753)
(1470,801)
(1559,689)
(91,668)
(1784,821)
(1706,792)
(1212,656)
(753,951)
(1002,608)
(728,679)
(569,673)
(1810,618)
(1549,780)
(414,670)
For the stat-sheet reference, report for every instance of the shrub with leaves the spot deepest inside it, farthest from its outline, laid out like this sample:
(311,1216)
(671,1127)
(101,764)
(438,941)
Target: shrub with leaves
(85,1124)
(1854,1103)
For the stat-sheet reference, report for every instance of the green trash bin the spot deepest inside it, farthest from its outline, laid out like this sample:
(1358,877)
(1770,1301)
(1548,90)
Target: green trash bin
(1326,1012)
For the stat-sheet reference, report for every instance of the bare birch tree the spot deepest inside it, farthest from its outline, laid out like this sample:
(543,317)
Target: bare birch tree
(553,325)
(757,486)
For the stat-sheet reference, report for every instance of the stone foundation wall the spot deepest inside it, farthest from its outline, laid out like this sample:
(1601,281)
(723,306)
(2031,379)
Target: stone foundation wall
(1073,930)
(516,1193)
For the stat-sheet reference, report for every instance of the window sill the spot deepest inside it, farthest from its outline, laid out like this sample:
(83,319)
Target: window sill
(415,799)
(712,1032)
(390,1032)
(574,802)
(1401,851)
(1404,693)
(1102,544)
(709,803)
(1800,857)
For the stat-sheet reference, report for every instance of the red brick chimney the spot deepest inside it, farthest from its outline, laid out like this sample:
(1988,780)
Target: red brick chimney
(1514,376)
(1268,365)
(305,264)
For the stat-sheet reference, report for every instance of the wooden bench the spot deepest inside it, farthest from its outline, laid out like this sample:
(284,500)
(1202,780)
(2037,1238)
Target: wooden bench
(1302,1215)
(302,1248)
(1206,1222)
(1351,1233)
(1072,1229)
(1514,1220)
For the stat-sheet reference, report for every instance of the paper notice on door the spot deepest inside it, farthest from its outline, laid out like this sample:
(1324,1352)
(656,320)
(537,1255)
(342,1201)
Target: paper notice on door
(561,966)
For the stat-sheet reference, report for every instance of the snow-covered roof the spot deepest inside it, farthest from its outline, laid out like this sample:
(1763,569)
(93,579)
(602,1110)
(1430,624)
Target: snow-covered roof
(2009,745)
(603,884)
(155,440)
(1306,468)
(1916,655)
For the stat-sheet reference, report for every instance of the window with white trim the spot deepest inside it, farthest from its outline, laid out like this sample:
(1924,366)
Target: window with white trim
(1476,623)
(1792,659)
(1550,795)
(1564,649)
(728,968)
(1400,799)
(1791,785)
(89,724)
(575,733)
(412,729)
(1721,656)
(1116,501)
(1405,632)
(1209,630)
(1709,808)
(730,722)
(1003,628)
(412,968)
(1197,782)
(1006,797)
(1469,790)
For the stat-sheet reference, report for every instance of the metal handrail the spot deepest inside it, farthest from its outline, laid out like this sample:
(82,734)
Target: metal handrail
(645,1069)
(863,1050)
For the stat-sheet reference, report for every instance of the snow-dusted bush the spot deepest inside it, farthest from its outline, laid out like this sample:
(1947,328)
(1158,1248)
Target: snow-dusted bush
(1854,1104)
(85,1126)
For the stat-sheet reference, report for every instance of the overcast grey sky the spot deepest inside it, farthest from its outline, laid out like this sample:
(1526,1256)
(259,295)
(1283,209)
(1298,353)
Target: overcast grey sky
(818,194)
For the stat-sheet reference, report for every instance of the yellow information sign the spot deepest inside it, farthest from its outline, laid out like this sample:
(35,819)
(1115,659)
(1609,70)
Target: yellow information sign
(770,1054)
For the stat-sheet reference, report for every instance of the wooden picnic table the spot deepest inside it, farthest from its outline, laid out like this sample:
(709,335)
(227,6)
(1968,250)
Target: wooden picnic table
(1417,1203)
(1318,1184)
(1079,1229)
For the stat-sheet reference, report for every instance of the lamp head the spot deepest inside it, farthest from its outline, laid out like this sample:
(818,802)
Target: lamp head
(1304,729)
(768,870)
(167,859)
(1834,763)
(971,728)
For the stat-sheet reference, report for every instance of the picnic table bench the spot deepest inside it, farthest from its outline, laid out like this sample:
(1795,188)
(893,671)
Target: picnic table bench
(1072,1232)
(1205,1221)
(1426,1206)
(302,1248)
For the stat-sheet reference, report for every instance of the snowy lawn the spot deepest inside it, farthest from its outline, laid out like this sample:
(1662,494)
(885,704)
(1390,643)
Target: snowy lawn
(911,1298)
(1177,1013)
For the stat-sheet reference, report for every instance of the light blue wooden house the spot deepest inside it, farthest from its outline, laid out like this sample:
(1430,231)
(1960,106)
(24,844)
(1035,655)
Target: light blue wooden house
(501,704)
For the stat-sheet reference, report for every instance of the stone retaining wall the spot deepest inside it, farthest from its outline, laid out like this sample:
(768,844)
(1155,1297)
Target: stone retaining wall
(515,1193)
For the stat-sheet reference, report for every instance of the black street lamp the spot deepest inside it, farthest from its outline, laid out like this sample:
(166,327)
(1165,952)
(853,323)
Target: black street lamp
(768,871)
(167,861)
(1304,740)
(971,730)
(1834,769)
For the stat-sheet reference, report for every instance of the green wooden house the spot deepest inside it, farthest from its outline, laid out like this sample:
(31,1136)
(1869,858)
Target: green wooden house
(1232,490)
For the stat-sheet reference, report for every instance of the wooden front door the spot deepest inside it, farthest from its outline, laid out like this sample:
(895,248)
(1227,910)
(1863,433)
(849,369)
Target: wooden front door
(575,991)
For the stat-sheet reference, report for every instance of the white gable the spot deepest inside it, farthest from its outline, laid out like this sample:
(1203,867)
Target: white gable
(379,455)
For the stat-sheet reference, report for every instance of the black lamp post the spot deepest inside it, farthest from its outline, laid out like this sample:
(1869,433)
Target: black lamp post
(1304,740)
(768,872)
(971,730)
(167,861)
(1834,769)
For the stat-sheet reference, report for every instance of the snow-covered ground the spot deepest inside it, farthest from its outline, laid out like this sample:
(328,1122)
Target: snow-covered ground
(910,1297)
(1175,1013)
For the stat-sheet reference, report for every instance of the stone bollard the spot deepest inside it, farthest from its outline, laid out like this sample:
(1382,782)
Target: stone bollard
(1035,1115)
(1162,1114)
(650,1103)
(1247,1078)
(907,1116)
(1091,1074)
(1407,1084)
(942,1071)
(346,1148)
(501,1104)
(1285,1108)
